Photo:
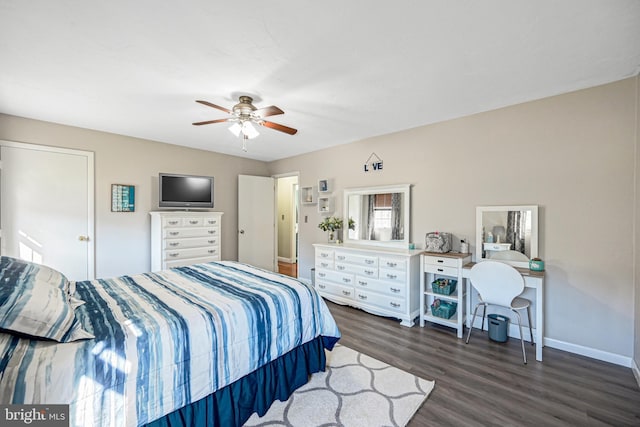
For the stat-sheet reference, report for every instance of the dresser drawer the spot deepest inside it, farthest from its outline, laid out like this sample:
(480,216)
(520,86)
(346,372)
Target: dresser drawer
(326,263)
(174,233)
(172,254)
(393,263)
(393,275)
(382,301)
(398,290)
(439,269)
(363,270)
(350,258)
(325,253)
(336,277)
(192,242)
(335,289)
(441,261)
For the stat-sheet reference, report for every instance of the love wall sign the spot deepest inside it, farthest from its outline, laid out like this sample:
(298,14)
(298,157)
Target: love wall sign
(373,163)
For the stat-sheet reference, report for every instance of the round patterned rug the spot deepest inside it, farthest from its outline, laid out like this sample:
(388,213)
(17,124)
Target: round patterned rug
(355,390)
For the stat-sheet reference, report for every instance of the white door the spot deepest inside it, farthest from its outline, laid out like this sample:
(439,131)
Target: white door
(46,207)
(256,221)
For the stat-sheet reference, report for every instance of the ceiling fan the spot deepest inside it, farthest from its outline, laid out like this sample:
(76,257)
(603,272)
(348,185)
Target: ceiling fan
(243,115)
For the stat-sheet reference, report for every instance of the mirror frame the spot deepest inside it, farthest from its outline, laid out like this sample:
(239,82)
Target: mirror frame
(534,231)
(405,189)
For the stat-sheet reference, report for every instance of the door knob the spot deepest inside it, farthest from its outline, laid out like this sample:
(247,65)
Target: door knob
(83,238)
(241,231)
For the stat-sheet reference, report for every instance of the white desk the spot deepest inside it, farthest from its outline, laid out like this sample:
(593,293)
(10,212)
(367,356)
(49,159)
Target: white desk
(532,279)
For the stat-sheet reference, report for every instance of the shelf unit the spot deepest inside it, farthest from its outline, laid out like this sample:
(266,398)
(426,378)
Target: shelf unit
(308,196)
(324,186)
(447,265)
(325,204)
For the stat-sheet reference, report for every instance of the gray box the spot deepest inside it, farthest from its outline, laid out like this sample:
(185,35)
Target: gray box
(498,327)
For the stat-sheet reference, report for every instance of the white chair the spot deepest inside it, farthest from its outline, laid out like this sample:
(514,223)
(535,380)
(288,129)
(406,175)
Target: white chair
(499,284)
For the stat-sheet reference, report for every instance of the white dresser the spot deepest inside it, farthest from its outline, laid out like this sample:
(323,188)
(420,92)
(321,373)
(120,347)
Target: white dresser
(184,238)
(385,282)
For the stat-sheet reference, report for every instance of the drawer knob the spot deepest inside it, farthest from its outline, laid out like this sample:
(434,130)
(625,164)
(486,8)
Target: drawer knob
(211,241)
(321,286)
(212,251)
(174,233)
(174,244)
(362,296)
(341,257)
(440,261)
(346,293)
(321,274)
(173,222)
(323,255)
(369,261)
(361,283)
(369,272)
(394,304)
(340,267)
(324,264)
(174,254)
(395,290)
(441,270)
(212,221)
(391,276)
(392,264)
(212,231)
(346,280)
(193,222)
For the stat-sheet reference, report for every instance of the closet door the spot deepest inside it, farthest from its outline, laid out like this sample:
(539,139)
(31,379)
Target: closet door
(46,207)
(256,221)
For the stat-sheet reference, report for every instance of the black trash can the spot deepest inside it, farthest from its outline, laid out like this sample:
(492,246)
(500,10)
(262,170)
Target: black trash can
(498,327)
(313,277)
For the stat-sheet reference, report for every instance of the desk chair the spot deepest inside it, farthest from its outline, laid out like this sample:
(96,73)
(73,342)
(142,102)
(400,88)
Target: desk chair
(499,284)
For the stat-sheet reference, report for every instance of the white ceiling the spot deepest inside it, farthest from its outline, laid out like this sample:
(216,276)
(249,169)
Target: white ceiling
(341,70)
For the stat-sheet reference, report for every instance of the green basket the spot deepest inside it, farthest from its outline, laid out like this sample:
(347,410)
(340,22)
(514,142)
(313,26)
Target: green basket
(444,309)
(444,286)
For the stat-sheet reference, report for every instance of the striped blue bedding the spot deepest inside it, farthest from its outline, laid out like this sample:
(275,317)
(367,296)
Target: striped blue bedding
(163,340)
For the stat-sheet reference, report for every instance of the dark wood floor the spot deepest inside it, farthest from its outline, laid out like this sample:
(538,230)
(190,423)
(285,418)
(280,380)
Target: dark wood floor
(485,383)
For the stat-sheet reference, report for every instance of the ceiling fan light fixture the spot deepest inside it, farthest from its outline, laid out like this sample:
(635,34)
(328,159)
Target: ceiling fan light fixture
(249,130)
(235,129)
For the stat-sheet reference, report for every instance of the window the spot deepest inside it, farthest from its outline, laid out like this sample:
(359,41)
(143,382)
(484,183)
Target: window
(382,211)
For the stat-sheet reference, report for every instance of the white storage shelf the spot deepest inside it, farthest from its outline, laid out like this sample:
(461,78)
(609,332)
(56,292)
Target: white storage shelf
(307,196)
(432,267)
(325,205)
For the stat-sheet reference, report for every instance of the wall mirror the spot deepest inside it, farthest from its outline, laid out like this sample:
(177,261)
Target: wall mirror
(380,214)
(507,233)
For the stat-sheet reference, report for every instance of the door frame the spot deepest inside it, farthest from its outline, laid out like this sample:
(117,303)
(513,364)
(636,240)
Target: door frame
(295,209)
(91,267)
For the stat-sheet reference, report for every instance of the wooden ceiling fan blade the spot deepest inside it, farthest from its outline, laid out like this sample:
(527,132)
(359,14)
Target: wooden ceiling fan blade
(208,122)
(281,128)
(208,104)
(268,111)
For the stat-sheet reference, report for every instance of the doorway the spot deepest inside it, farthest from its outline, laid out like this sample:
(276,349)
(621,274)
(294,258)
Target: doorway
(287,220)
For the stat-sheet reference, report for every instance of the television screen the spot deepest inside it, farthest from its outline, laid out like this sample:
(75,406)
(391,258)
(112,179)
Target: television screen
(187,191)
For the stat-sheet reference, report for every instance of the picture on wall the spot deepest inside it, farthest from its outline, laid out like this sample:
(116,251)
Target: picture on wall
(123,198)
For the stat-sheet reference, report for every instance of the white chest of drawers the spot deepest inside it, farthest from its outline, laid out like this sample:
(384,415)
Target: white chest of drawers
(184,238)
(379,281)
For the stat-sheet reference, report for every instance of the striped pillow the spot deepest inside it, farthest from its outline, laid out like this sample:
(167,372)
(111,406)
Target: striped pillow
(34,301)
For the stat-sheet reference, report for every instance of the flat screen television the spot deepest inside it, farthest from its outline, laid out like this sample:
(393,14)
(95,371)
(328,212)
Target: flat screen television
(185,191)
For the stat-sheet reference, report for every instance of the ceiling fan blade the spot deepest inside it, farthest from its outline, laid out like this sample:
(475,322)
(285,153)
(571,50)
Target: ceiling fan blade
(226,110)
(268,111)
(208,122)
(281,128)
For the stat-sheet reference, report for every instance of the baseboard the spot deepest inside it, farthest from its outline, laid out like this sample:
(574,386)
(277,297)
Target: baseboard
(636,371)
(593,353)
(571,348)
(283,259)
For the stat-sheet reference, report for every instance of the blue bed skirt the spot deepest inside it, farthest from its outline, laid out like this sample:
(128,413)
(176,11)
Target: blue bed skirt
(235,403)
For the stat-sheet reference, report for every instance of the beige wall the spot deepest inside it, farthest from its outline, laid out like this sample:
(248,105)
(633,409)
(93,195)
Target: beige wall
(122,239)
(573,155)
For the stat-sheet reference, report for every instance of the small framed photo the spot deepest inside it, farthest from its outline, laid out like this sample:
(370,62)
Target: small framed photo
(123,198)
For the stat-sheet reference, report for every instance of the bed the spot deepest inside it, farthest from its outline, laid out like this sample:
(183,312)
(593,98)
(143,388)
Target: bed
(208,343)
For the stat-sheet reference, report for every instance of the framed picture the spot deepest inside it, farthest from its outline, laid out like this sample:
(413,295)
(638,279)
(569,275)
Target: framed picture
(123,198)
